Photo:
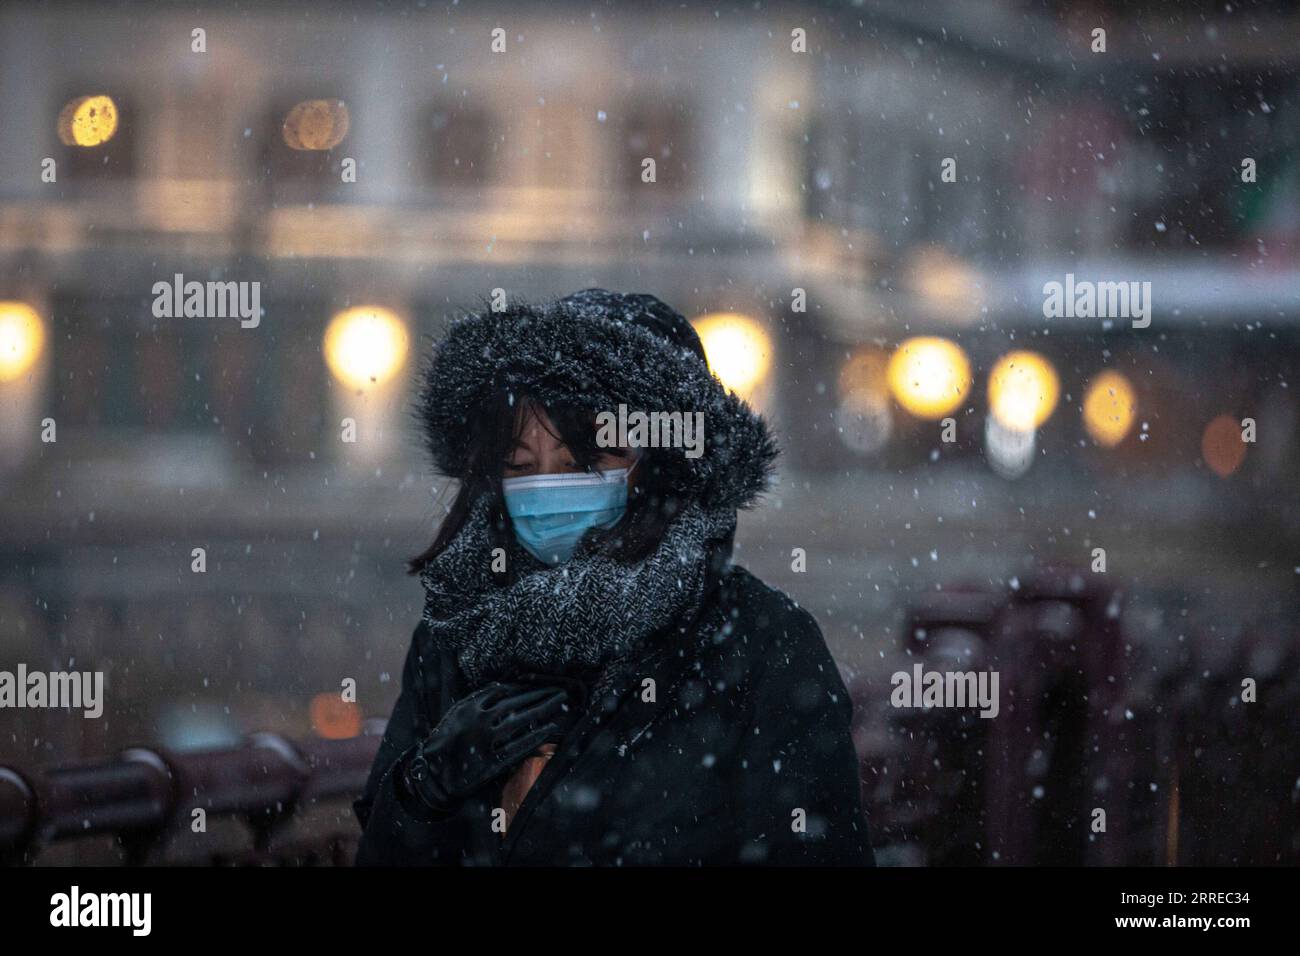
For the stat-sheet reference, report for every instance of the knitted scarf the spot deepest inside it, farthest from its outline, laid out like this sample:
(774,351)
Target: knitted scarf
(571,619)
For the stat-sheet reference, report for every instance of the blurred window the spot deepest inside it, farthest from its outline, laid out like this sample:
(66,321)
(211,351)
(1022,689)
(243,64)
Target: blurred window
(159,379)
(458,146)
(196,129)
(81,368)
(291,387)
(293,174)
(660,131)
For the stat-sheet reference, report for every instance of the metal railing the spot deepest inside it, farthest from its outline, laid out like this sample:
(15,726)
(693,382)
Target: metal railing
(144,794)
(1105,753)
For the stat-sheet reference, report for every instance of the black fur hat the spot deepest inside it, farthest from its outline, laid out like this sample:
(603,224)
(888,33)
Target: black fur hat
(596,349)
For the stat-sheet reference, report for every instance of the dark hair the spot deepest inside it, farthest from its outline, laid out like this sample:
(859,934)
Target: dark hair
(500,421)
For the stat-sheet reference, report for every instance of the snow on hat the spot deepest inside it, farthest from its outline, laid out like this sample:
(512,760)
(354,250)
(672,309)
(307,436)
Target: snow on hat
(596,349)
(645,310)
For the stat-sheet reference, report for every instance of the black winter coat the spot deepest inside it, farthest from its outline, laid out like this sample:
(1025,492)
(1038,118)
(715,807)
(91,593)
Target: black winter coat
(744,756)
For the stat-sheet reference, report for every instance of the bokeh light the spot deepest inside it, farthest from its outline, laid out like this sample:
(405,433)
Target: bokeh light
(738,348)
(929,376)
(1010,451)
(1023,390)
(316,124)
(365,346)
(864,417)
(88,121)
(864,377)
(1221,445)
(945,281)
(22,339)
(1109,408)
(334,718)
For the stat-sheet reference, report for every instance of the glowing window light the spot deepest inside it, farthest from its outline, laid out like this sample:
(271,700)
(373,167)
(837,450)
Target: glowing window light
(738,349)
(929,376)
(365,346)
(1109,408)
(316,124)
(22,338)
(1221,445)
(1023,389)
(88,121)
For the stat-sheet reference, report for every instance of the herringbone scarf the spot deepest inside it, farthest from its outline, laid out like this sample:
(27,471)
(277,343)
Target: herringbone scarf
(573,618)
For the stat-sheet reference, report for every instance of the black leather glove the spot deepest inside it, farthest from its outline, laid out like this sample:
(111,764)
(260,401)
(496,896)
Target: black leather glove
(481,737)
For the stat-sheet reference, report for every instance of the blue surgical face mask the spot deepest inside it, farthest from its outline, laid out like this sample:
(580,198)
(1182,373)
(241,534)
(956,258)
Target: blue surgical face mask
(551,513)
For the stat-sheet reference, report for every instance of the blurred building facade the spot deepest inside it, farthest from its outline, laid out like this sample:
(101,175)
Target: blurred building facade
(802,191)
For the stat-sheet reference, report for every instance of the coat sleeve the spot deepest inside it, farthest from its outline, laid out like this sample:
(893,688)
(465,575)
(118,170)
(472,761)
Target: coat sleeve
(396,829)
(797,793)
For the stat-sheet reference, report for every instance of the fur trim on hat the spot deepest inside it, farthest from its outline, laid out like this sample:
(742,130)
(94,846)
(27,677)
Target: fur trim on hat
(586,354)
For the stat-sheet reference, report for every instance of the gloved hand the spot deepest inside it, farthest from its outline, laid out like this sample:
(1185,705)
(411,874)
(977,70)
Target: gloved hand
(481,737)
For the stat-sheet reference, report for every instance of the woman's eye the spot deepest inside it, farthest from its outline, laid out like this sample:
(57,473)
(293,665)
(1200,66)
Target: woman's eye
(512,466)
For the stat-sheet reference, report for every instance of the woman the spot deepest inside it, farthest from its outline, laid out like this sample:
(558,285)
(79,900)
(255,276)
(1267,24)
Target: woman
(593,682)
